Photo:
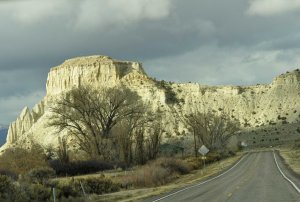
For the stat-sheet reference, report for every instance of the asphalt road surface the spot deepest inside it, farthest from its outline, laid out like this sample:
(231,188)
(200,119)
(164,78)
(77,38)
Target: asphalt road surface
(254,178)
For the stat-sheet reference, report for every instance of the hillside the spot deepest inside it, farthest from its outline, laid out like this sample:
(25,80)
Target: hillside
(269,114)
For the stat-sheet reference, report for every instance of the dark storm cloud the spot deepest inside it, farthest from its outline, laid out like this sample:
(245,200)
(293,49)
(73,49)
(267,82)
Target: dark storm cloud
(207,41)
(143,39)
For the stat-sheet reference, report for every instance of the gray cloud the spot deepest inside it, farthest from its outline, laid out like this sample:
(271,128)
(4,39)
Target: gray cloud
(215,66)
(11,106)
(272,7)
(88,14)
(208,41)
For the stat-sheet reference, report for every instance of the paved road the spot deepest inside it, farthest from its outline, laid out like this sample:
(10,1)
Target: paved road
(255,178)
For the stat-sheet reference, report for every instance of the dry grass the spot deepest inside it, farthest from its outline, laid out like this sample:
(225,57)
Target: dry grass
(112,174)
(292,157)
(147,176)
(182,181)
(155,173)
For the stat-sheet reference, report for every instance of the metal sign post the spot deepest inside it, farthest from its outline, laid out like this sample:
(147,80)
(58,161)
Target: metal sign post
(203,150)
(203,159)
(54,194)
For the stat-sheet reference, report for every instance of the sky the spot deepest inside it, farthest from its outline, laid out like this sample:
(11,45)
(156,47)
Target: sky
(232,42)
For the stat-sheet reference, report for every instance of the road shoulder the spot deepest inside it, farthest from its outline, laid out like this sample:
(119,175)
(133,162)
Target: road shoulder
(291,157)
(289,165)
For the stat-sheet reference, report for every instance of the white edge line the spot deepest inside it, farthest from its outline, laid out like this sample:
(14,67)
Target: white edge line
(285,177)
(201,183)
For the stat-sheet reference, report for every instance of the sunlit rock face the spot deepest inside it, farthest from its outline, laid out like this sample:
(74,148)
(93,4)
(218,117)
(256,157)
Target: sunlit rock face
(97,71)
(258,108)
(20,126)
(94,70)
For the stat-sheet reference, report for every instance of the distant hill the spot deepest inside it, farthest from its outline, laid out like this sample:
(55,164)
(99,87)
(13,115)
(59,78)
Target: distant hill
(3,133)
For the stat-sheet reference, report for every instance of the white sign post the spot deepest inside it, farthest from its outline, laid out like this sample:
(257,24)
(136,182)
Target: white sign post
(203,150)
(54,194)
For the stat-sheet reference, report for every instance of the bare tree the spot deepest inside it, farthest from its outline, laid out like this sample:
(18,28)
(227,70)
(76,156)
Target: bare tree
(124,132)
(212,130)
(139,137)
(62,152)
(154,139)
(49,151)
(224,128)
(90,114)
(130,131)
(140,153)
(195,122)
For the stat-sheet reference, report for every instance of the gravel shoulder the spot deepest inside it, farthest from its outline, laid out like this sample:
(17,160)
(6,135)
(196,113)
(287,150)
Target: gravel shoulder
(291,157)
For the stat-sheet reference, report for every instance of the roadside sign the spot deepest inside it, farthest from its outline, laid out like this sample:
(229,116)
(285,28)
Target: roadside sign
(244,144)
(203,150)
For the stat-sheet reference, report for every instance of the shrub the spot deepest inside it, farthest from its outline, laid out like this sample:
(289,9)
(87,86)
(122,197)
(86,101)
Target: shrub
(21,161)
(167,149)
(77,199)
(170,95)
(40,175)
(67,190)
(71,189)
(7,188)
(218,155)
(149,176)
(226,154)
(156,173)
(213,157)
(98,185)
(9,174)
(194,163)
(174,165)
(79,167)
(9,191)
(37,192)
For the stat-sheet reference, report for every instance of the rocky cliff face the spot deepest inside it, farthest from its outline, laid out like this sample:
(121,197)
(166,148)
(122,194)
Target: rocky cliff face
(94,70)
(97,71)
(256,107)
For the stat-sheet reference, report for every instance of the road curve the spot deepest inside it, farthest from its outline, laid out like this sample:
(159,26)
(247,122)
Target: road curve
(255,178)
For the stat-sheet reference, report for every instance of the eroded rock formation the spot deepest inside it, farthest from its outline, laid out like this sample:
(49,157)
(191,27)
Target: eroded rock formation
(256,107)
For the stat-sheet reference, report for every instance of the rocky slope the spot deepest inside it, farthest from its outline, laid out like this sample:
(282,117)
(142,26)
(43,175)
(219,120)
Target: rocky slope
(266,112)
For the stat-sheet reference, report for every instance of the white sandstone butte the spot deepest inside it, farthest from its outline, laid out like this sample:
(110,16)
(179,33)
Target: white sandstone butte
(267,113)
